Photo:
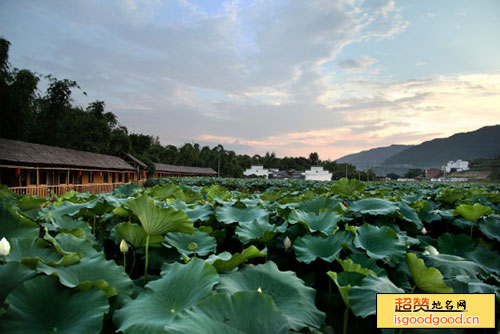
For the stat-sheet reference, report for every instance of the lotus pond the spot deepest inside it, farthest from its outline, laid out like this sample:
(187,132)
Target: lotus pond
(198,255)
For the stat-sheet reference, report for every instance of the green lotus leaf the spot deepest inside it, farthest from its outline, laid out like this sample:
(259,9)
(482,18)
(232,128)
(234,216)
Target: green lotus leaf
(308,248)
(426,279)
(231,214)
(490,227)
(181,286)
(205,244)
(271,196)
(16,225)
(472,212)
(30,252)
(488,259)
(216,192)
(319,204)
(120,211)
(227,261)
(11,275)
(164,192)
(290,294)
(245,312)
(259,230)
(89,272)
(374,206)
(455,244)
(363,298)
(126,190)
(367,262)
(200,213)
(380,242)
(325,222)
(136,235)
(41,305)
(66,244)
(156,220)
(347,187)
(188,196)
(409,214)
(451,265)
(344,281)
(27,202)
(477,286)
(66,223)
(427,212)
(450,196)
(350,266)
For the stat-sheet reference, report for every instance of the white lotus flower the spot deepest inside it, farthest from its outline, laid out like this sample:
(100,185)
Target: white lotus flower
(4,247)
(287,242)
(123,246)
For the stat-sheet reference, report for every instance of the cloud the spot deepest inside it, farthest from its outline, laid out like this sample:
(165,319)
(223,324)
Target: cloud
(356,65)
(254,75)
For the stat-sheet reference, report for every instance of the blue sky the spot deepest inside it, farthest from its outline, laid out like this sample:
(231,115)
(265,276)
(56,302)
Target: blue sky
(291,77)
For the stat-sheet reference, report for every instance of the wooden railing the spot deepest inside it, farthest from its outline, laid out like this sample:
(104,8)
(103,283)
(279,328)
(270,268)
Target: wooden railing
(45,190)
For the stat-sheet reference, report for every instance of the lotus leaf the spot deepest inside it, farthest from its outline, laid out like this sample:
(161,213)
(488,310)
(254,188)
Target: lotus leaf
(16,225)
(231,214)
(181,286)
(205,244)
(308,248)
(472,212)
(451,265)
(245,312)
(227,261)
(259,230)
(426,279)
(136,235)
(156,220)
(455,244)
(374,206)
(41,305)
(290,294)
(11,275)
(89,272)
(380,242)
(347,187)
(490,227)
(487,259)
(325,222)
(363,298)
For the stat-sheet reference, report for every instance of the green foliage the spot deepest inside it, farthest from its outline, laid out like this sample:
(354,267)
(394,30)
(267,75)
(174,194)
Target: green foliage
(239,255)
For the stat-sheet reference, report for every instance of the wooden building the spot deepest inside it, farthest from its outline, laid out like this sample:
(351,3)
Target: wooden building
(35,169)
(164,170)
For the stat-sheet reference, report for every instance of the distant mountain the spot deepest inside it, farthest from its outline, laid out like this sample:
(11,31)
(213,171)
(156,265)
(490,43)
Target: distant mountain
(374,157)
(482,143)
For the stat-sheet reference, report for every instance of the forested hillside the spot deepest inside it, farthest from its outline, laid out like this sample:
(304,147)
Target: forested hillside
(482,143)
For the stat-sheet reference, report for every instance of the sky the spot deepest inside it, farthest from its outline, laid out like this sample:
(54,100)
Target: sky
(290,77)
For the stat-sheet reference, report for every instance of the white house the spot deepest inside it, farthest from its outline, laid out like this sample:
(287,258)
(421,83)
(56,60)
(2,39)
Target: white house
(257,171)
(317,174)
(459,165)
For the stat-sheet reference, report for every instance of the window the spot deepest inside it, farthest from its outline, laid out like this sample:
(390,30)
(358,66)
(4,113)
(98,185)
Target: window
(119,177)
(105,177)
(32,177)
(62,177)
(91,177)
(43,177)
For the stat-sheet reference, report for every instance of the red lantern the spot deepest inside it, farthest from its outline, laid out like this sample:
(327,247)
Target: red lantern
(116,174)
(79,173)
(128,175)
(18,171)
(100,173)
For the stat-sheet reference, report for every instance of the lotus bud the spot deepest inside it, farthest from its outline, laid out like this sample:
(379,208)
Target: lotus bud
(287,243)
(423,231)
(4,247)
(123,246)
(259,290)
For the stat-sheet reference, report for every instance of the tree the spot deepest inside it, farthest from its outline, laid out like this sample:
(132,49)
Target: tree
(393,176)
(314,158)
(414,172)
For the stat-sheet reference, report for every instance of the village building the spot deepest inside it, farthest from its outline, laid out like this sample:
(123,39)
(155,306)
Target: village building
(317,174)
(459,166)
(257,171)
(431,173)
(165,170)
(35,169)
